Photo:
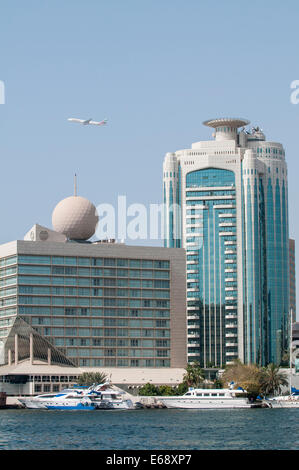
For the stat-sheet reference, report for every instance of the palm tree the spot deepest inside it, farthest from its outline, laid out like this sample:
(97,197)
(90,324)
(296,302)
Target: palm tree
(272,379)
(194,375)
(90,378)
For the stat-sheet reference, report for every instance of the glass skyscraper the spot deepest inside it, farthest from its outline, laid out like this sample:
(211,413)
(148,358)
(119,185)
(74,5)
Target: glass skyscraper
(292,279)
(227,204)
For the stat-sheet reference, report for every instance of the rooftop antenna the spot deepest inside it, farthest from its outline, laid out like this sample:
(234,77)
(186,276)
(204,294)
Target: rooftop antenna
(75,185)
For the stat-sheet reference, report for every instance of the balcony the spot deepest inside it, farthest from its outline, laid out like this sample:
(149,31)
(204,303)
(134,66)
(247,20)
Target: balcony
(231,325)
(196,206)
(229,234)
(194,187)
(211,198)
(193,335)
(192,317)
(227,224)
(231,317)
(227,216)
(195,224)
(224,206)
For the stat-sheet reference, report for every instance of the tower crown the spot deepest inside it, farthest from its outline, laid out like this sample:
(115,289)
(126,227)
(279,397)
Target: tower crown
(226,128)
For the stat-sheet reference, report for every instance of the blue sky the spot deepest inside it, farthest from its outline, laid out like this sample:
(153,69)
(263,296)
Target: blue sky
(156,70)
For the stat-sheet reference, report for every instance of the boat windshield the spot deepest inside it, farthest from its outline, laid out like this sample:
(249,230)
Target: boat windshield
(110,395)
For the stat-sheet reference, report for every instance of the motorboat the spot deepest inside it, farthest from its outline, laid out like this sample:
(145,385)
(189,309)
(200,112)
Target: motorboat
(284,401)
(111,399)
(291,400)
(202,398)
(75,398)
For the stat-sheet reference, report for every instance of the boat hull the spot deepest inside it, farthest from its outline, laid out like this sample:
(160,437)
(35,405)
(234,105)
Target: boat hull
(79,406)
(205,405)
(32,404)
(114,405)
(284,404)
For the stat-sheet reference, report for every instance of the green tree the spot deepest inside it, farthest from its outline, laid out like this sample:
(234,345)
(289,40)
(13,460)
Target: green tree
(272,379)
(194,375)
(181,389)
(149,390)
(217,383)
(166,390)
(247,376)
(90,378)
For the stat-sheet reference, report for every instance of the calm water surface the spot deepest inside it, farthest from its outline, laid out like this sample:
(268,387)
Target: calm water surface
(264,429)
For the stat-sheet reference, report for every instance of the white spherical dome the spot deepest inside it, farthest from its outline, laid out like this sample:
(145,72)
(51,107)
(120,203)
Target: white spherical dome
(75,217)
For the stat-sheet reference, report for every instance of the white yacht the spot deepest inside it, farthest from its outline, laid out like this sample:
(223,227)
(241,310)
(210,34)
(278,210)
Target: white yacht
(80,398)
(201,398)
(71,399)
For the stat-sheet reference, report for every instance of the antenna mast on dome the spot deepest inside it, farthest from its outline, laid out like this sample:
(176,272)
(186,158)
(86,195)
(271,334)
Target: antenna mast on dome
(75,185)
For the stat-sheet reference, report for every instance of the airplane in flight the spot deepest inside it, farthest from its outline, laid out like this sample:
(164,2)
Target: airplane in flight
(85,122)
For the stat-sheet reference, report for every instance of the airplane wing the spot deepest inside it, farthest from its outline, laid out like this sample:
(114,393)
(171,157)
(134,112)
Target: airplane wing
(76,120)
(98,123)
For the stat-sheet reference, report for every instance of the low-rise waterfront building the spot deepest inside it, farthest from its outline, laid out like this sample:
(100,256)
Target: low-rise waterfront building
(26,378)
(70,303)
